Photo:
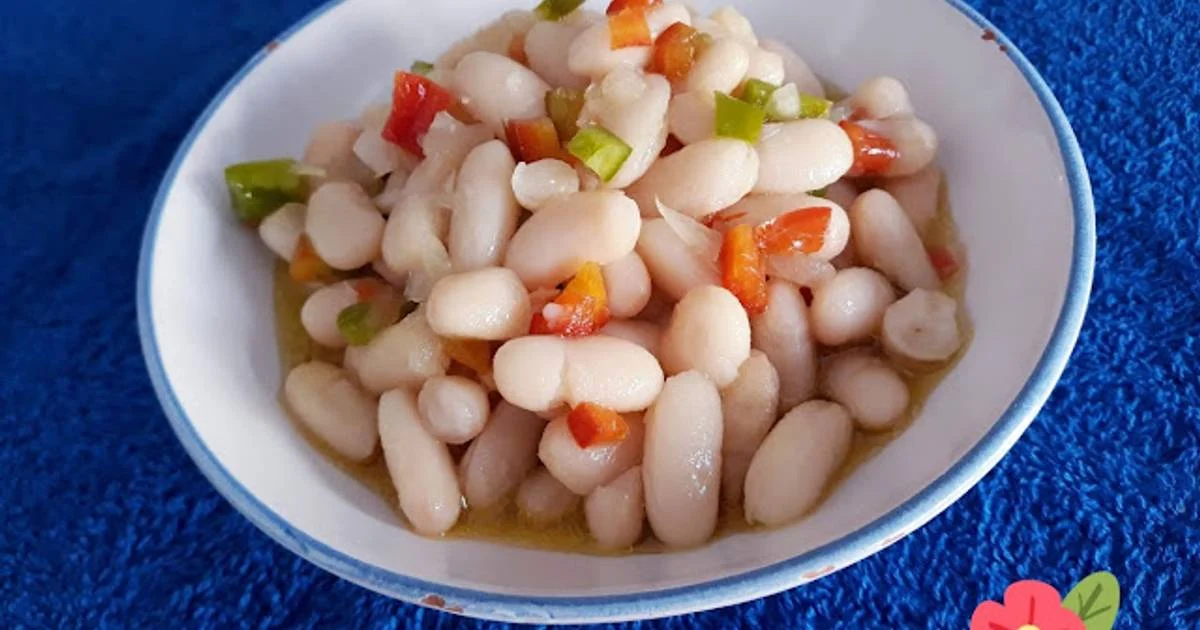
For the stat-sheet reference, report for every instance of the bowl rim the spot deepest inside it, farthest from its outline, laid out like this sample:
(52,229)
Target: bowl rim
(789,573)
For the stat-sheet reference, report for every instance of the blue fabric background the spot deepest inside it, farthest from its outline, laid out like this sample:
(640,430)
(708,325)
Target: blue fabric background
(105,521)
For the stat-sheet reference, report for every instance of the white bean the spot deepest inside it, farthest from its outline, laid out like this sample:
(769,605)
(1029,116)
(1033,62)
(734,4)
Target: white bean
(281,230)
(591,54)
(500,458)
(765,65)
(627,282)
(582,470)
(868,388)
(881,97)
(420,466)
(547,46)
(758,209)
(543,499)
(633,107)
(918,195)
(495,37)
(801,156)
(720,68)
(796,461)
(485,304)
(344,226)
(495,89)
(915,141)
(699,179)
(645,334)
(886,240)
(333,408)
(540,373)
(454,409)
(709,333)
(615,512)
(402,355)
(691,117)
(675,267)
(331,148)
(681,467)
(446,146)
(735,24)
(921,329)
(320,313)
(412,238)
(539,183)
(749,406)
(849,308)
(795,69)
(784,334)
(600,227)
(485,210)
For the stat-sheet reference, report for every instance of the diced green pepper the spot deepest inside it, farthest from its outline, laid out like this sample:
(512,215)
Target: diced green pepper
(555,10)
(259,188)
(600,150)
(563,106)
(738,119)
(819,193)
(788,103)
(357,325)
(814,106)
(422,68)
(757,92)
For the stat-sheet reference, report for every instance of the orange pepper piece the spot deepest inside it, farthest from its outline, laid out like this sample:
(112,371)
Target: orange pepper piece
(797,232)
(580,310)
(617,6)
(306,265)
(591,425)
(743,270)
(629,28)
(873,153)
(473,353)
(534,139)
(676,50)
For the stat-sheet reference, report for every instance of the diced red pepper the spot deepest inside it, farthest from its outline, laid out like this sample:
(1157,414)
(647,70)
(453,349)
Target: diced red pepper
(472,353)
(618,6)
(743,270)
(367,289)
(797,232)
(534,139)
(306,265)
(676,50)
(516,49)
(629,28)
(873,153)
(945,261)
(580,310)
(593,425)
(415,101)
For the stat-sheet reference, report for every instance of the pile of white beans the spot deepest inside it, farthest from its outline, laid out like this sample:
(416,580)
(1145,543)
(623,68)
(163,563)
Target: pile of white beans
(757,411)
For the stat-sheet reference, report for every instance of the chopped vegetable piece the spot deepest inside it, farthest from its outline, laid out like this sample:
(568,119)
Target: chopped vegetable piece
(306,265)
(422,68)
(354,322)
(473,353)
(743,270)
(757,92)
(814,106)
(738,119)
(564,105)
(516,49)
(533,140)
(799,231)
(788,103)
(617,6)
(593,425)
(259,188)
(629,28)
(580,310)
(873,153)
(378,307)
(820,194)
(600,151)
(676,50)
(555,10)
(415,101)
(945,261)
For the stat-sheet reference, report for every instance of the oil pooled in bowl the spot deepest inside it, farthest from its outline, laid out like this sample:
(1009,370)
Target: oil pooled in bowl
(503,524)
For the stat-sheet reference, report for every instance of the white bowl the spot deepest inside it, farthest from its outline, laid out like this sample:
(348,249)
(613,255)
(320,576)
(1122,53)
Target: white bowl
(1019,191)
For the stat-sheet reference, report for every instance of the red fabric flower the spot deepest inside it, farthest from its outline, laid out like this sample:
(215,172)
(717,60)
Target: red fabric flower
(1028,605)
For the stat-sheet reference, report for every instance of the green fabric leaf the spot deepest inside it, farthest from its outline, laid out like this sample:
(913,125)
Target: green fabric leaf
(1096,600)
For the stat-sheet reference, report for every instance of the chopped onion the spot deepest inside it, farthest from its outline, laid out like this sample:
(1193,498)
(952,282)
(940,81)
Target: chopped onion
(800,269)
(705,241)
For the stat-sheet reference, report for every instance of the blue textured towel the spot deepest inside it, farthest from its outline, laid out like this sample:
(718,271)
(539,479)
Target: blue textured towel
(105,521)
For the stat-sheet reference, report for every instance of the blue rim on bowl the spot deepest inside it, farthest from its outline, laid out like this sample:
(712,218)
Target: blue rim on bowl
(726,591)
